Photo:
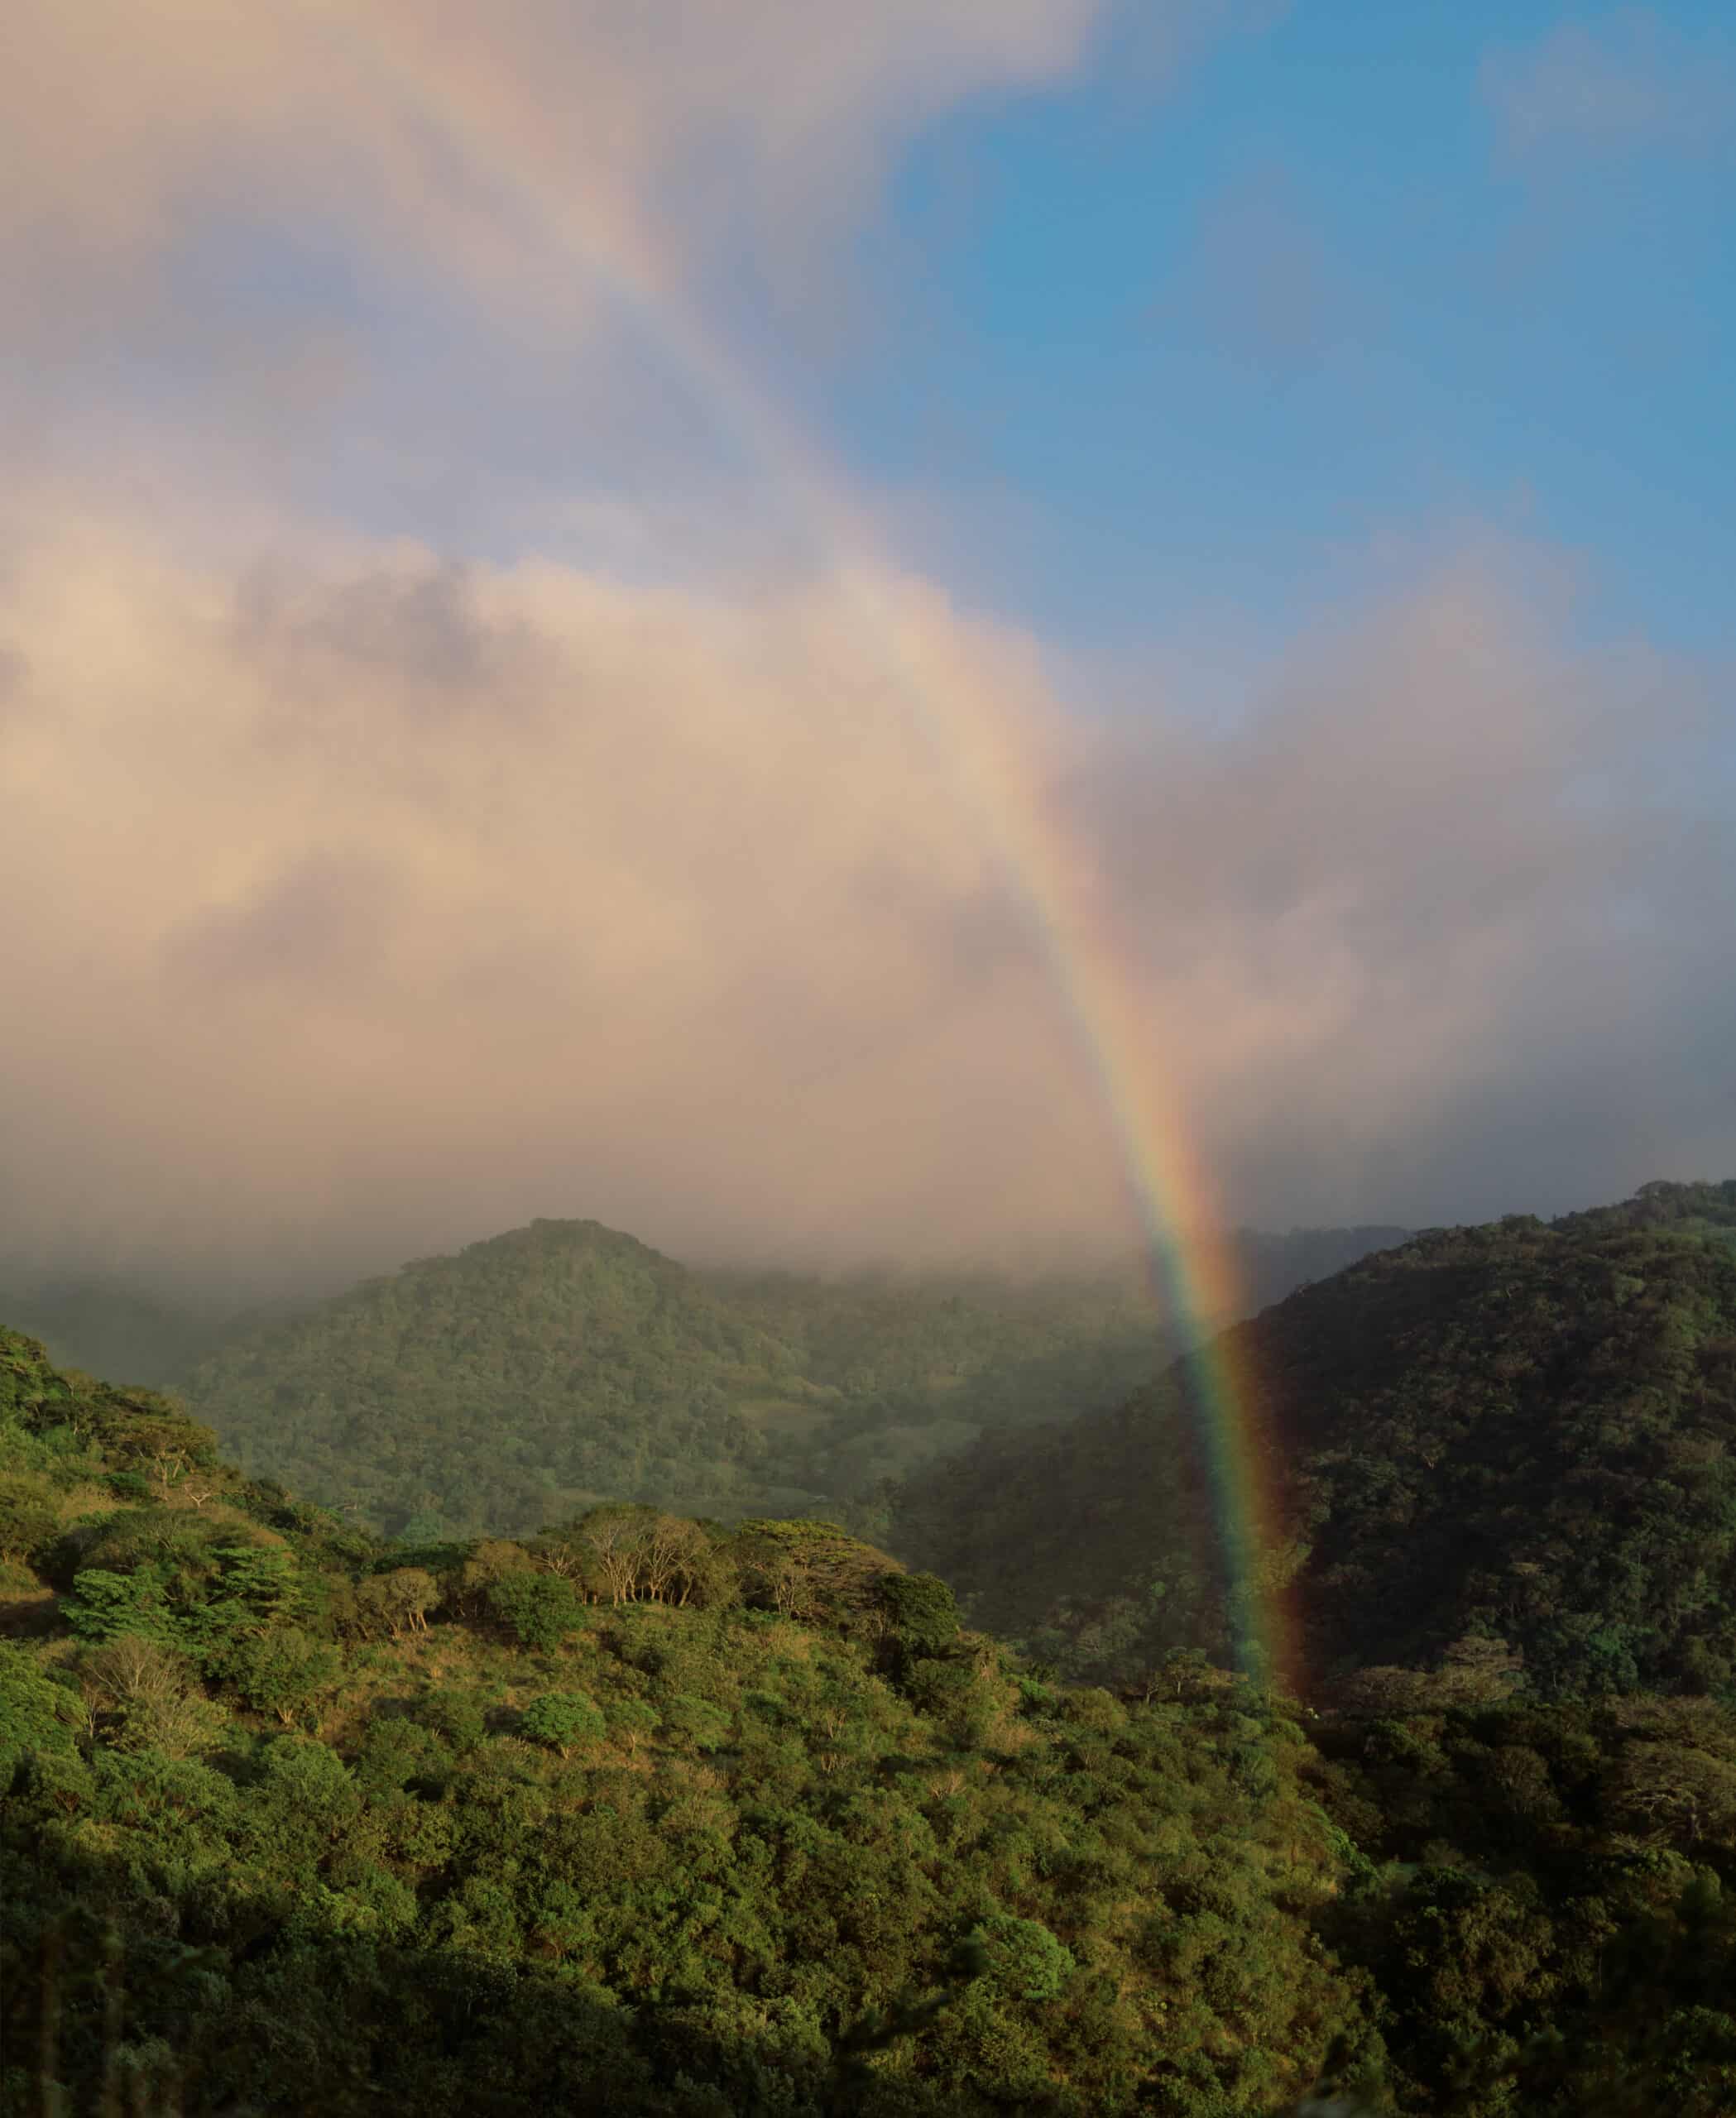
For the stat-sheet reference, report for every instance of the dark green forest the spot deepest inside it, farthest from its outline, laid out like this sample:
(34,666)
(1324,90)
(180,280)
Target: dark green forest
(651,1812)
(564,1363)
(1516,1440)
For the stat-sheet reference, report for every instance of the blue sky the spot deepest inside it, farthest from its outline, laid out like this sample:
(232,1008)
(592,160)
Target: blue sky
(1136,349)
(1146,355)
(1214,347)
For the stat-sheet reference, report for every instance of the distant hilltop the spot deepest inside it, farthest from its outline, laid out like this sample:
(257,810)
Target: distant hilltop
(544,1367)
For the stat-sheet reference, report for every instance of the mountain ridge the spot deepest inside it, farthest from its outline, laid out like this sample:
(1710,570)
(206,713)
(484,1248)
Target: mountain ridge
(1523,1432)
(536,1369)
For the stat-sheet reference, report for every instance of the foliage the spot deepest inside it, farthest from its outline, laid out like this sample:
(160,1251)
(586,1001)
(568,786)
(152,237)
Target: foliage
(563,1364)
(36,1714)
(541,1608)
(284,1672)
(561,1719)
(29,1515)
(921,1610)
(662,1816)
(1515,1442)
(1023,1959)
(1547,1896)
(698,1855)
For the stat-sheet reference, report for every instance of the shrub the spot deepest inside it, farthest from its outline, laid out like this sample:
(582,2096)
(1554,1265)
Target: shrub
(148,1695)
(103,1605)
(458,1716)
(696,1721)
(921,1609)
(631,1720)
(491,1561)
(36,1713)
(1026,1961)
(396,1751)
(1095,1710)
(282,1671)
(398,1601)
(542,1609)
(561,1719)
(29,1518)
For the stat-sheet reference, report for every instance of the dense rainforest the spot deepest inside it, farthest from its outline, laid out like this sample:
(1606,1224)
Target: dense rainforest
(651,1814)
(564,1363)
(1515,1444)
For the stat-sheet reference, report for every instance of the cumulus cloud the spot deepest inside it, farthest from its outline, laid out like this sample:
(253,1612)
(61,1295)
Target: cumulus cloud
(1451,901)
(444,269)
(523,151)
(339,879)
(366,902)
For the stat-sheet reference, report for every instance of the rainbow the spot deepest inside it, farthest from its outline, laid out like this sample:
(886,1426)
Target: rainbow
(436,81)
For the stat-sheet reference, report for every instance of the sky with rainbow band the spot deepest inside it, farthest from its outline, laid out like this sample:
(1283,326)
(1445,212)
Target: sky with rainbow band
(954,629)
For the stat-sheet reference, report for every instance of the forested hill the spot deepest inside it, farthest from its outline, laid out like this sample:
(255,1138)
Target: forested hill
(565,1363)
(1001,1346)
(1521,1434)
(560,1364)
(649,1817)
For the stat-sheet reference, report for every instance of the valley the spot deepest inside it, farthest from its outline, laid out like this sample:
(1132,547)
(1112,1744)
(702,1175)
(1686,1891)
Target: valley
(669,1812)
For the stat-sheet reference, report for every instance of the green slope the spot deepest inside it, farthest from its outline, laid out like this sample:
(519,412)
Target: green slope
(566,1362)
(1523,1432)
(495,1388)
(302,1827)
(648,1818)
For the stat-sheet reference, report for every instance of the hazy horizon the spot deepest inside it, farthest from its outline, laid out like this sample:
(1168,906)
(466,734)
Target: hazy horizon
(648,618)
(221,1283)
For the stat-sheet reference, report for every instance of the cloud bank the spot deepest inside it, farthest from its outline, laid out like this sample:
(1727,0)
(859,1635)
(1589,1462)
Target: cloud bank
(422,133)
(367,894)
(366,901)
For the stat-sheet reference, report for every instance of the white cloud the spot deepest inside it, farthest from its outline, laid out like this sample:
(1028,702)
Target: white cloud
(512,151)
